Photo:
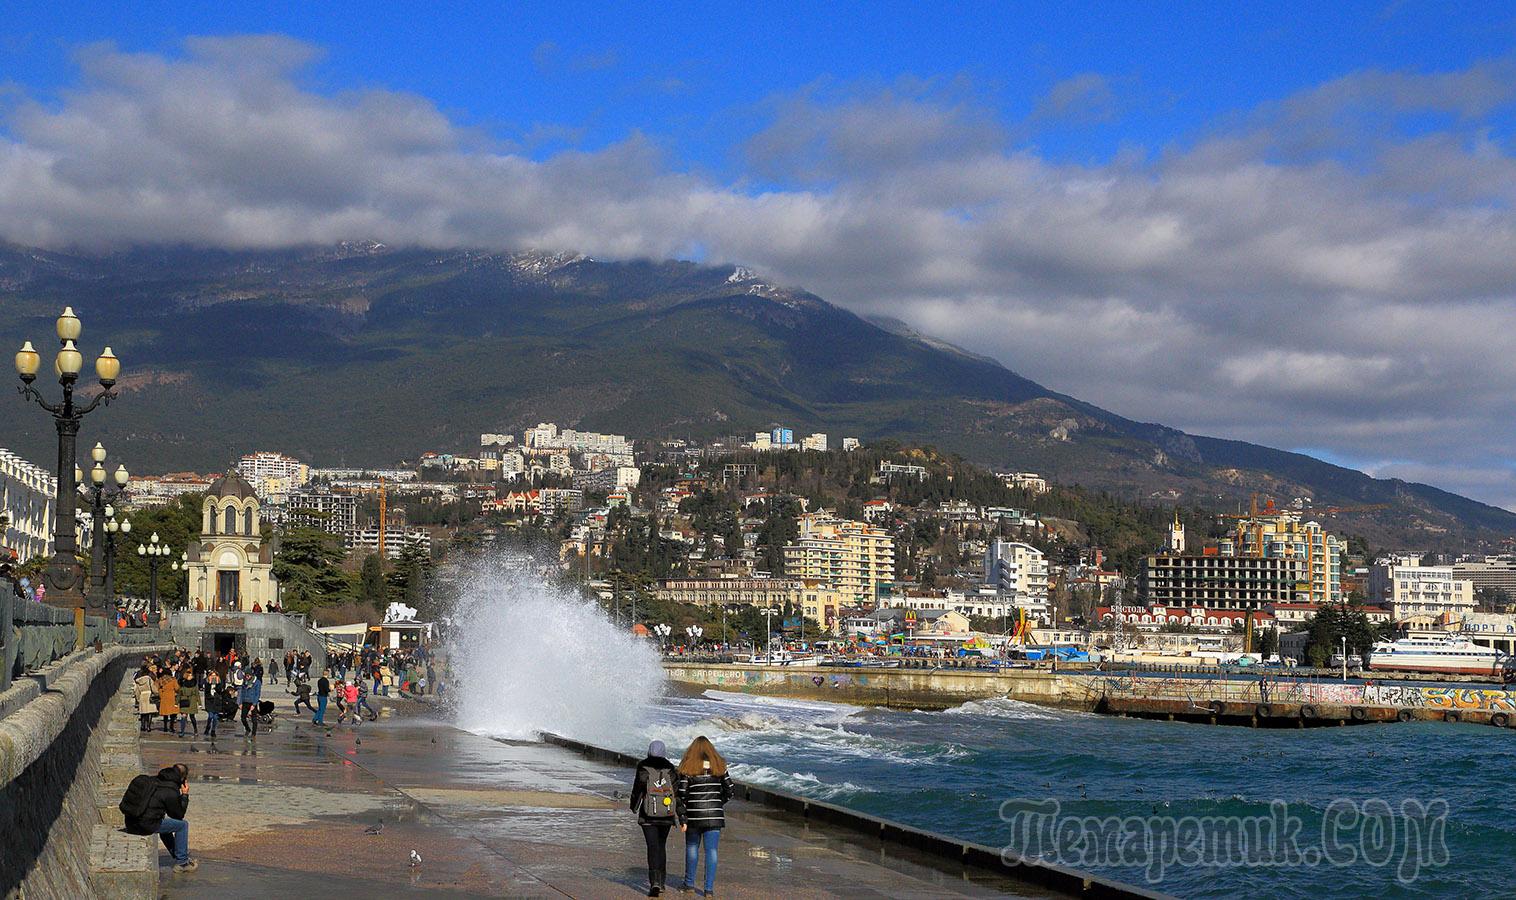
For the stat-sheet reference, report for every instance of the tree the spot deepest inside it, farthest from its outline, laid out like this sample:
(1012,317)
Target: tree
(177,525)
(1334,622)
(372,590)
(306,568)
(409,582)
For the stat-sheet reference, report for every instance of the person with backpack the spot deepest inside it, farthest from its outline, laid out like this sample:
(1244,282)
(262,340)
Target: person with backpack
(653,801)
(157,804)
(702,792)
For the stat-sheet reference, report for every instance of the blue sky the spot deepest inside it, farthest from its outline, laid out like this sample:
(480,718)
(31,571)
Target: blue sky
(1287,223)
(698,75)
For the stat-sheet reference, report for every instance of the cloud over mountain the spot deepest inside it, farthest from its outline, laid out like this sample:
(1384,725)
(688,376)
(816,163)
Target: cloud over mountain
(1334,270)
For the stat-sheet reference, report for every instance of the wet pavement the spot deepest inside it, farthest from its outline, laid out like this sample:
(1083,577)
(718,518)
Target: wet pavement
(285,815)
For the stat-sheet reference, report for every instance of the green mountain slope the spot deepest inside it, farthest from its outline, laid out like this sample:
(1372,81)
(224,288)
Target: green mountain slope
(362,354)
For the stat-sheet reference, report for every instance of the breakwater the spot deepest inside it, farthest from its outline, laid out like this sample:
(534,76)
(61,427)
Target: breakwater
(1261,701)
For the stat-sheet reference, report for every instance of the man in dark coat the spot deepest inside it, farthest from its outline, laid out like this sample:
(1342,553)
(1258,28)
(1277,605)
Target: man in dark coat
(164,816)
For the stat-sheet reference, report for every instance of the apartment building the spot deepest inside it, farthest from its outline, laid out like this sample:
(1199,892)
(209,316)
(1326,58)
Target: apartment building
(855,558)
(1019,571)
(1412,590)
(330,511)
(1216,581)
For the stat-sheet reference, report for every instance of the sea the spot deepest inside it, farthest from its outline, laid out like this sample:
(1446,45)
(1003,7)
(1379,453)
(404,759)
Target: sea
(1418,809)
(1393,810)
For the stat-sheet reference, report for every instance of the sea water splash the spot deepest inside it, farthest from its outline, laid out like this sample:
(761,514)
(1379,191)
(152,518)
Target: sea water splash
(531,656)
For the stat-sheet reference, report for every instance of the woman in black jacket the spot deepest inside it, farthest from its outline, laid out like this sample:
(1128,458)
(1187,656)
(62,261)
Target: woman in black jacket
(703,791)
(653,800)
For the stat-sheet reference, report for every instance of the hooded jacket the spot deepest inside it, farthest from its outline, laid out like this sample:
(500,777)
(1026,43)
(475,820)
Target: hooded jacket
(639,788)
(165,801)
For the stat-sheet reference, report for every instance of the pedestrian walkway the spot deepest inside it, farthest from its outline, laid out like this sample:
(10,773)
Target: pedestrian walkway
(285,815)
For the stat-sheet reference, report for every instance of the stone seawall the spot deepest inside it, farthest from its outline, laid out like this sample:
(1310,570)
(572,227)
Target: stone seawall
(897,688)
(49,776)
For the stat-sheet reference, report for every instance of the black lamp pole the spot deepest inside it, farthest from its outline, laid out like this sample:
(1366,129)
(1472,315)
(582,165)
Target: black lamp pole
(64,576)
(102,580)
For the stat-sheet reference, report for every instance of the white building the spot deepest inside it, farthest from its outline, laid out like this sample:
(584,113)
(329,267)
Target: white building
(1026,481)
(365,541)
(495,440)
(1019,571)
(1412,590)
(815,441)
(849,444)
(546,436)
(273,475)
(27,493)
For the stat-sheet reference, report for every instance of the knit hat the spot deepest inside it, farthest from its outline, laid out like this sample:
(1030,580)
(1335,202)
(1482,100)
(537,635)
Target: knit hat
(656,748)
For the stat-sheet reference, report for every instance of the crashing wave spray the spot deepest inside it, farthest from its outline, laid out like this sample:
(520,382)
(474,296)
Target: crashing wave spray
(530,656)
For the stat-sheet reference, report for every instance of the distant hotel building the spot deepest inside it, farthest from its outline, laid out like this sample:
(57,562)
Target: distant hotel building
(814,599)
(1212,581)
(1492,573)
(1412,590)
(27,493)
(329,511)
(854,558)
(273,475)
(1024,481)
(1019,572)
(160,490)
(363,542)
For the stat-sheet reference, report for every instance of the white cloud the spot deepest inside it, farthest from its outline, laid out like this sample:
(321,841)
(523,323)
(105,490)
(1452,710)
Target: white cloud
(1308,274)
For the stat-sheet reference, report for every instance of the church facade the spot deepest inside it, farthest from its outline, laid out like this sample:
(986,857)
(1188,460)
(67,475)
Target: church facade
(231,566)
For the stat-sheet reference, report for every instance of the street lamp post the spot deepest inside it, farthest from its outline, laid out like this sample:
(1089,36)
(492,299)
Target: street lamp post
(154,552)
(100,511)
(64,576)
(113,528)
(768,626)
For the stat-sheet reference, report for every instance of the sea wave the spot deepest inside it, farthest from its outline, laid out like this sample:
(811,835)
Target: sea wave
(1004,708)
(803,783)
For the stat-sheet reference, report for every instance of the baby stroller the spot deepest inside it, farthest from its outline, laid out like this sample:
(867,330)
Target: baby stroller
(266,718)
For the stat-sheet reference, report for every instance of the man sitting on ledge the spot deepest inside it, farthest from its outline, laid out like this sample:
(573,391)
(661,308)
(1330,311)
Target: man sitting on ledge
(164,815)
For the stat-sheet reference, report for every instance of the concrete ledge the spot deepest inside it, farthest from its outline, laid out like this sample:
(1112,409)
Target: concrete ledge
(120,864)
(947,851)
(123,866)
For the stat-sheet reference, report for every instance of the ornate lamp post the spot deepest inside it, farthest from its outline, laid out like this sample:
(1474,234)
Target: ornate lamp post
(182,565)
(154,552)
(100,595)
(113,528)
(64,576)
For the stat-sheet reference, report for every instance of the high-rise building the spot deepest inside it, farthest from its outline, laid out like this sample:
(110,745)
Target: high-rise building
(332,512)
(1283,534)
(1215,581)
(854,558)
(273,473)
(1017,570)
(782,438)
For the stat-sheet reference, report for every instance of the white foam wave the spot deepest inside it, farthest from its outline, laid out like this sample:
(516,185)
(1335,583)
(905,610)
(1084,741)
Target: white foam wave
(1004,708)
(803,783)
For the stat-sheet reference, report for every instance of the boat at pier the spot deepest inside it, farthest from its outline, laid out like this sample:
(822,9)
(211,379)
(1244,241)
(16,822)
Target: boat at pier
(1452,655)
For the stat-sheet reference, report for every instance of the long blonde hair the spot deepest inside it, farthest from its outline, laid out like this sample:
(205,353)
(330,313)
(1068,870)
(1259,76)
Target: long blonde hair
(702,751)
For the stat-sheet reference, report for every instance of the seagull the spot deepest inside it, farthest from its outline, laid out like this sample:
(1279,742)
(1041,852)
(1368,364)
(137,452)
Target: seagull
(375,829)
(415,859)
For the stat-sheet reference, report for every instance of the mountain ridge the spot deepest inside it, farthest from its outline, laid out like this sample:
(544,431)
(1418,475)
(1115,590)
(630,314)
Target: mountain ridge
(364,353)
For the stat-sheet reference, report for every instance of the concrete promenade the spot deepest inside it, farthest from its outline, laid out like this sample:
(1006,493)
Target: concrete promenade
(285,816)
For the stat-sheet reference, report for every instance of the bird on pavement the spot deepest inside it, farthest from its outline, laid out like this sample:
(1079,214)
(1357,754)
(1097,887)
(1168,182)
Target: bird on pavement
(415,859)
(375,829)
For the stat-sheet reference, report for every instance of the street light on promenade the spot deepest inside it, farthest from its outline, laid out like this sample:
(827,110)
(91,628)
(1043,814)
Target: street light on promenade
(113,527)
(154,552)
(769,613)
(64,576)
(101,593)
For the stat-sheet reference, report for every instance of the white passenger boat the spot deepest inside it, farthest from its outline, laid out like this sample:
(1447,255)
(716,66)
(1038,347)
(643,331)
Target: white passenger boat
(1452,655)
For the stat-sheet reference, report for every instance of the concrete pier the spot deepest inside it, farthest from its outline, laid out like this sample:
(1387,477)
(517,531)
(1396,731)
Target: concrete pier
(285,815)
(1258,701)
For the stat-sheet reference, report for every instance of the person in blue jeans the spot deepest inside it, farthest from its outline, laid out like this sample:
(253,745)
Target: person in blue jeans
(702,791)
(165,815)
(323,691)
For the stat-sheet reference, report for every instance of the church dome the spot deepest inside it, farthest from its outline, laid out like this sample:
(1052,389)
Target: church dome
(232,485)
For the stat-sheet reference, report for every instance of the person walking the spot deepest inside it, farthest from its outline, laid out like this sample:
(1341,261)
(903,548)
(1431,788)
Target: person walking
(703,790)
(164,815)
(653,800)
(323,691)
(273,670)
(248,697)
(212,702)
(146,708)
(168,700)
